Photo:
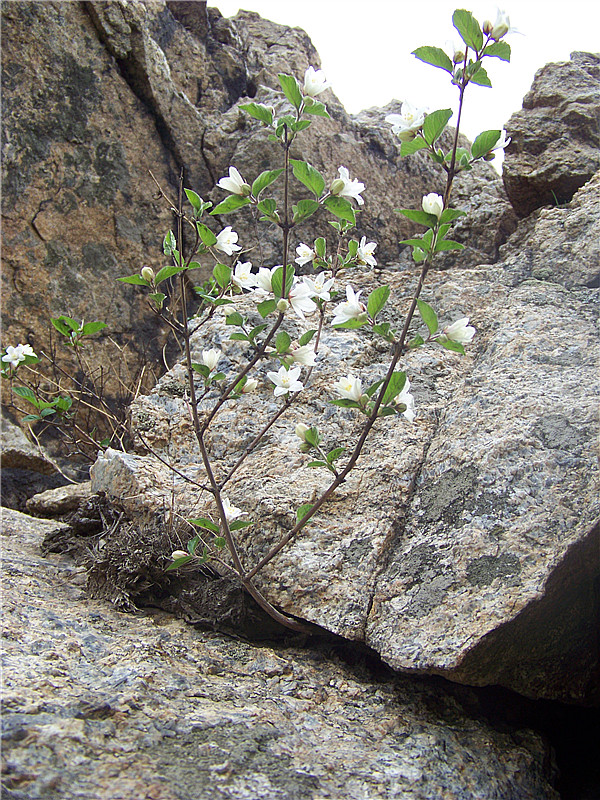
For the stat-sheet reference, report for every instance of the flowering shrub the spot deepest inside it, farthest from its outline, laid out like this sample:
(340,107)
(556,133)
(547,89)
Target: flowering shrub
(278,292)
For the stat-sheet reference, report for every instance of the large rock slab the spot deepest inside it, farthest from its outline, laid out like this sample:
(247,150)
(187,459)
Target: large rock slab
(117,707)
(456,538)
(555,146)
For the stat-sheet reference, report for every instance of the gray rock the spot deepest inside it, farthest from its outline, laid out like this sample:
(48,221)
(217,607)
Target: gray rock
(555,146)
(102,704)
(457,538)
(59,501)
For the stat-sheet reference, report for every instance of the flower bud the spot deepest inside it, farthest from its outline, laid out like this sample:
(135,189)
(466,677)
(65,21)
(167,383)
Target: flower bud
(229,309)
(487,27)
(433,204)
(147,274)
(283,305)
(458,57)
(250,385)
(337,186)
(177,554)
(301,430)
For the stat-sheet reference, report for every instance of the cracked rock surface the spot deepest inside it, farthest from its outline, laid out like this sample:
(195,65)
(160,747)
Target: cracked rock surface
(99,704)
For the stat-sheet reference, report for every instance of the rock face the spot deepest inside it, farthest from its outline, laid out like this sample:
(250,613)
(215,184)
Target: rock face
(97,94)
(465,544)
(106,705)
(555,146)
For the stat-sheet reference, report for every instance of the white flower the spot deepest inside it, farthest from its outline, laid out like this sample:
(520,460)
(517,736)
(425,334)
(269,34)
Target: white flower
(210,358)
(352,308)
(344,186)
(286,381)
(502,25)
(460,331)
(314,82)
(229,309)
(231,512)
(243,275)
(234,183)
(365,252)
(433,204)
(349,388)
(14,355)
(250,386)
(319,286)
(264,279)
(226,241)
(304,355)
(405,398)
(147,273)
(305,254)
(502,142)
(177,554)
(300,301)
(406,124)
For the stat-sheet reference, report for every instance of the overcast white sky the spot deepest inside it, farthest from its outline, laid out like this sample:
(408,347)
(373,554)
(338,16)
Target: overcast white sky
(365,48)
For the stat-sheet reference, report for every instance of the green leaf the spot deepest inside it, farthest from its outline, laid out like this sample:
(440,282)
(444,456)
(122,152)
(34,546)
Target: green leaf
(169,243)
(283,342)
(239,337)
(303,511)
(499,49)
(265,179)
(71,324)
(193,544)
(351,325)
(220,542)
(383,329)
(180,562)
(469,29)
(447,244)
(304,210)
(416,342)
(202,369)
(484,143)
(306,338)
(277,281)
(312,437)
(315,107)
(234,319)
(481,78)
(259,111)
(434,124)
(31,418)
(231,203)
(256,330)
(428,316)
(268,208)
(222,274)
(26,393)
(92,327)
(167,272)
(266,307)
(456,347)
(334,454)
(207,524)
(291,89)
(205,233)
(239,524)
(408,148)
(377,299)
(420,243)
(434,56)
(159,299)
(394,387)
(136,280)
(301,125)
(309,176)
(317,464)
(419,216)
(344,402)
(451,214)
(341,208)
(320,247)
(194,199)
